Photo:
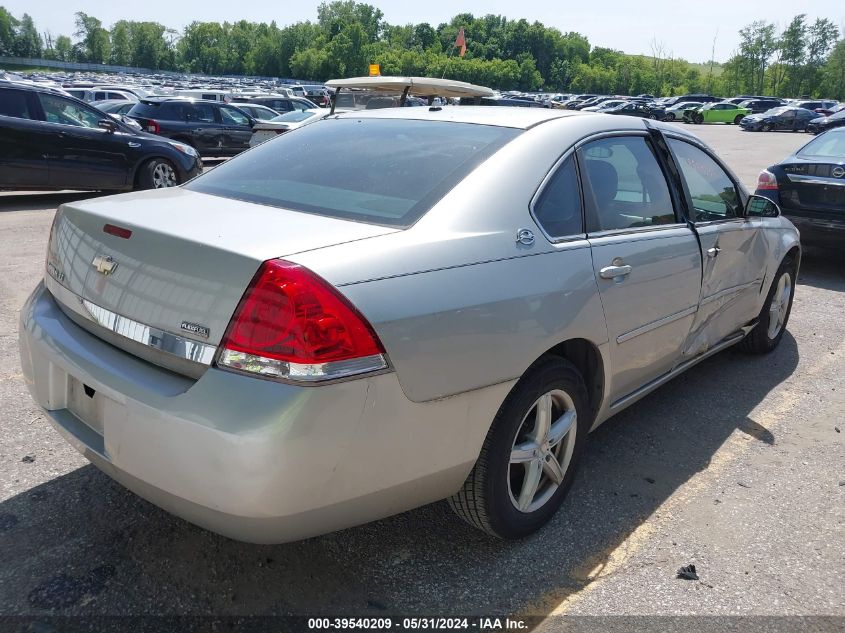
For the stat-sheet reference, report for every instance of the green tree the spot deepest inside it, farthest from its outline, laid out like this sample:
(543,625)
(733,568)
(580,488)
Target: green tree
(63,49)
(8,27)
(27,39)
(95,44)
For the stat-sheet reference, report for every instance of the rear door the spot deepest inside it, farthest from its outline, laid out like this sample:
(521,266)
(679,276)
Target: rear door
(646,258)
(733,247)
(24,141)
(83,155)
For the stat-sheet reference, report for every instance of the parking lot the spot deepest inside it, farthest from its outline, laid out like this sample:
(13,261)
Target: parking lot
(737,467)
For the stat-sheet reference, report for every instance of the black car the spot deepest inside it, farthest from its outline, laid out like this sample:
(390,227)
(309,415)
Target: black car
(758,106)
(825,123)
(642,110)
(50,141)
(786,118)
(809,186)
(210,127)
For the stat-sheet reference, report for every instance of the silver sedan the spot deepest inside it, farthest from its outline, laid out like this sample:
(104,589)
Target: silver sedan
(390,307)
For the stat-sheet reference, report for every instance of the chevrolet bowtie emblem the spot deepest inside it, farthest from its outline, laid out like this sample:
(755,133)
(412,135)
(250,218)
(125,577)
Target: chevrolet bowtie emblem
(104,264)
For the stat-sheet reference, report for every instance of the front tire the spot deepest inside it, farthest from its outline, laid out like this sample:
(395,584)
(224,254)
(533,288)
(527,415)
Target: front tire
(530,455)
(158,173)
(766,127)
(698,118)
(771,324)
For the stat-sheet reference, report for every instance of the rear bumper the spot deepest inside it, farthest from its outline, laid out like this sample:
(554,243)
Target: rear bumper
(252,459)
(821,231)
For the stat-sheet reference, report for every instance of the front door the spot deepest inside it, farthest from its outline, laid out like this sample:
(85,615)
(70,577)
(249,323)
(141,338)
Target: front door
(205,131)
(733,248)
(237,128)
(83,156)
(646,259)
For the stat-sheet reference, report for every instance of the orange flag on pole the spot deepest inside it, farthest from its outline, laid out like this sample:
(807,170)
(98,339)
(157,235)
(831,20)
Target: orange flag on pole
(461,41)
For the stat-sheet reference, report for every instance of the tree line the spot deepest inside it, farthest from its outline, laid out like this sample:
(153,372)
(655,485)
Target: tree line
(805,58)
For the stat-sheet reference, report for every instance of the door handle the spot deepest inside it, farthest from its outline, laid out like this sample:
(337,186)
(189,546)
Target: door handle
(612,272)
(712,252)
(199,130)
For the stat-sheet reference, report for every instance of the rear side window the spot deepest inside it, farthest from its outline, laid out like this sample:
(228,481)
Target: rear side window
(558,207)
(624,186)
(380,171)
(713,193)
(14,103)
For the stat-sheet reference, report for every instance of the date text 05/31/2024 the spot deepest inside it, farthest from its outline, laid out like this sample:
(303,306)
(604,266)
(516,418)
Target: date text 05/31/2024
(413,624)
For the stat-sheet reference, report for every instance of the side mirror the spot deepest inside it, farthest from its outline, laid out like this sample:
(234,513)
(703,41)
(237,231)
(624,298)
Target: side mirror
(761,207)
(108,125)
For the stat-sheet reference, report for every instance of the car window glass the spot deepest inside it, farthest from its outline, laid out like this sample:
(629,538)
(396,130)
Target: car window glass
(202,112)
(14,103)
(66,112)
(624,186)
(714,195)
(558,209)
(233,117)
(831,145)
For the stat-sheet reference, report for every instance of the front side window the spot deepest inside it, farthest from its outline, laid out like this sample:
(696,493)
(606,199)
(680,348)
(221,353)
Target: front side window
(624,186)
(713,193)
(558,208)
(60,110)
(231,116)
(380,171)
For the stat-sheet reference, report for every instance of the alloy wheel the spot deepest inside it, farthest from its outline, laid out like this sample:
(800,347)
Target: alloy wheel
(164,176)
(779,307)
(542,451)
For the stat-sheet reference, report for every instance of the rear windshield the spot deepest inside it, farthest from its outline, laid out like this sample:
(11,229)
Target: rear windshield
(830,145)
(381,171)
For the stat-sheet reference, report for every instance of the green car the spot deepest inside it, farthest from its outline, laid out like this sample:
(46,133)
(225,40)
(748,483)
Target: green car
(722,112)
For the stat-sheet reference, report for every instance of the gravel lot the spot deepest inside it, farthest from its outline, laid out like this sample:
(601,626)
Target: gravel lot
(737,467)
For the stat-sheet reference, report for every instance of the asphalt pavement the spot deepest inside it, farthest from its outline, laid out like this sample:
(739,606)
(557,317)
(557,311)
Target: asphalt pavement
(736,467)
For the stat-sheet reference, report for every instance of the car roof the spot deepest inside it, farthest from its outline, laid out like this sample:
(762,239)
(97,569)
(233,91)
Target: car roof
(502,116)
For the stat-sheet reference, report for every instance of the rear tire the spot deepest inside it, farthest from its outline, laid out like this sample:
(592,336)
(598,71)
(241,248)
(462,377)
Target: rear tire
(771,324)
(737,119)
(524,472)
(158,173)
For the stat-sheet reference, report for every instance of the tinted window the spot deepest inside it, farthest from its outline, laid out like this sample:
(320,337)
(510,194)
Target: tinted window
(364,170)
(714,195)
(202,112)
(14,103)
(67,112)
(558,208)
(624,186)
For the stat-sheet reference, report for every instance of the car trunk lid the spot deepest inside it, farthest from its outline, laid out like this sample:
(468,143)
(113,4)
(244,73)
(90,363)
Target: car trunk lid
(184,264)
(815,187)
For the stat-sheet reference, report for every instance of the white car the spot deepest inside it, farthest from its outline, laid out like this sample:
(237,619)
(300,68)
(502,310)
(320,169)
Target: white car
(606,105)
(676,112)
(265,130)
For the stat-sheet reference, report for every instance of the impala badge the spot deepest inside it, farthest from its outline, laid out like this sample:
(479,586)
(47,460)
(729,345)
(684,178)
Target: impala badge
(104,264)
(195,328)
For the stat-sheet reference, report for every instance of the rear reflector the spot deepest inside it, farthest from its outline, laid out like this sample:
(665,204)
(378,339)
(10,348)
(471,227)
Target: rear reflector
(291,324)
(767,181)
(117,231)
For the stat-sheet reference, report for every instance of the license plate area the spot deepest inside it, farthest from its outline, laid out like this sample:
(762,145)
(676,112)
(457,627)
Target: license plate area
(86,404)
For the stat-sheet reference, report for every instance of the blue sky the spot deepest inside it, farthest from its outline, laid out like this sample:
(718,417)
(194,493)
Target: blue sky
(685,28)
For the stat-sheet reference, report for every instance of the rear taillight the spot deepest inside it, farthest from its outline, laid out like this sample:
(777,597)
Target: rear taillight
(152,126)
(767,181)
(291,324)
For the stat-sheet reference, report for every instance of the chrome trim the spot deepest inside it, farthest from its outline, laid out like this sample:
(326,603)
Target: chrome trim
(654,384)
(731,291)
(152,337)
(648,327)
(637,230)
(816,180)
